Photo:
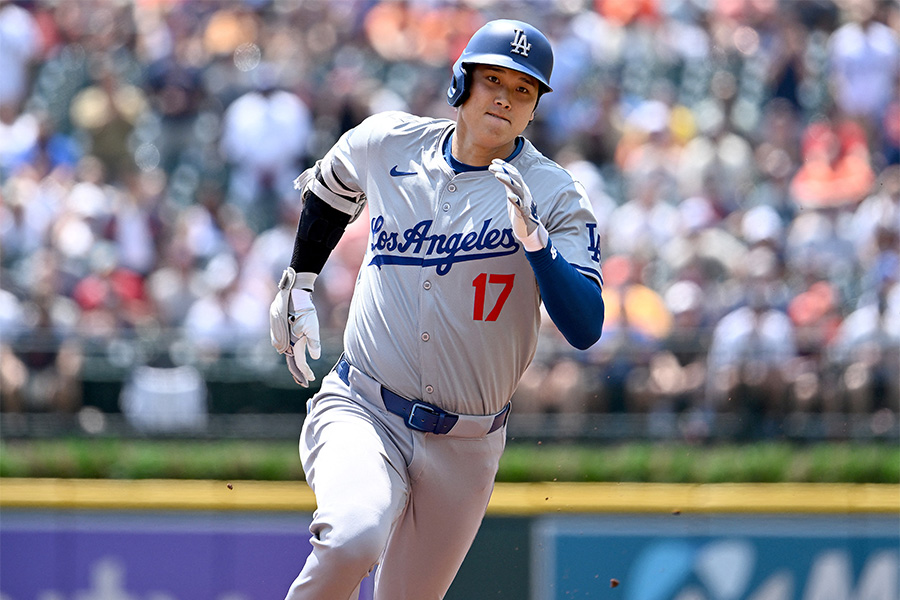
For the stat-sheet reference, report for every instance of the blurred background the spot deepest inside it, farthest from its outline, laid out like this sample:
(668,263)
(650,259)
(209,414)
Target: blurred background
(742,157)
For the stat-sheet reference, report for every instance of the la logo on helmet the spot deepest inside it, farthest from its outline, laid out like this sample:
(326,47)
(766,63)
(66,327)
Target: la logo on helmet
(520,43)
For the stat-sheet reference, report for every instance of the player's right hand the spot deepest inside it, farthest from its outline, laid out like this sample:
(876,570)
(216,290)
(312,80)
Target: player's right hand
(294,324)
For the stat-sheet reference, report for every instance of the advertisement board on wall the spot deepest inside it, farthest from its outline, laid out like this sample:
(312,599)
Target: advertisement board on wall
(197,555)
(714,557)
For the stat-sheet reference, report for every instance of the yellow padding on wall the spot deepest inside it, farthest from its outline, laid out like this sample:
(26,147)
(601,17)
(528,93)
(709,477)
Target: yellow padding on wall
(508,498)
(155,494)
(536,498)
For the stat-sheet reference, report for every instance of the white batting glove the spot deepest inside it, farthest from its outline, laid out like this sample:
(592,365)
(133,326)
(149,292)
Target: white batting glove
(526,224)
(294,324)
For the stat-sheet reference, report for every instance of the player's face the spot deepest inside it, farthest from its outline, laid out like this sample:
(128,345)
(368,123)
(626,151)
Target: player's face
(500,105)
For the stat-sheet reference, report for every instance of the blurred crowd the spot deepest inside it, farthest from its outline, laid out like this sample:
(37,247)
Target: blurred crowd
(742,156)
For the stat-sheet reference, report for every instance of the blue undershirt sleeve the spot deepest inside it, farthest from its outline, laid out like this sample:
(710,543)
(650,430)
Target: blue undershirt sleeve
(572,300)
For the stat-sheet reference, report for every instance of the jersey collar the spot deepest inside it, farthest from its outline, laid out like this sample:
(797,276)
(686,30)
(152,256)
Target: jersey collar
(461,167)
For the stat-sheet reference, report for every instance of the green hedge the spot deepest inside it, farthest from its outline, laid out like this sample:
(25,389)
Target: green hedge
(677,463)
(640,462)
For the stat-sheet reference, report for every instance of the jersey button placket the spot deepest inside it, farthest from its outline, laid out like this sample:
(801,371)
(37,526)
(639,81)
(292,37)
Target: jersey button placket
(451,187)
(426,283)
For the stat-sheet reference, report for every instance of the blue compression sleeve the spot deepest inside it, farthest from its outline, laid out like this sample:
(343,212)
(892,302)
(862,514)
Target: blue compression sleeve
(573,301)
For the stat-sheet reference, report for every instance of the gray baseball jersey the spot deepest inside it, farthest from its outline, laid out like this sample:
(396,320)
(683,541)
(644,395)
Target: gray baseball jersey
(444,276)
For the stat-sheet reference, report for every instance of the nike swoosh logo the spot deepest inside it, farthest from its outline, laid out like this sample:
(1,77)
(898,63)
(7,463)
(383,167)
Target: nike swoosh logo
(396,173)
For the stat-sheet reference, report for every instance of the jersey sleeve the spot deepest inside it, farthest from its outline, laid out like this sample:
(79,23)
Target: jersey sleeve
(572,226)
(338,177)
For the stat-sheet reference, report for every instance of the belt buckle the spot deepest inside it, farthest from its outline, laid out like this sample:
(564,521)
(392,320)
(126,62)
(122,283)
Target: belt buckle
(427,409)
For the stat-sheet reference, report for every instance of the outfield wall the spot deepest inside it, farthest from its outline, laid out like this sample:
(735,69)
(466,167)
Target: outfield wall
(245,540)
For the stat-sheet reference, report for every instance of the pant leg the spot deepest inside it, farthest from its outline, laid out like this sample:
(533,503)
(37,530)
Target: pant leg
(451,480)
(359,478)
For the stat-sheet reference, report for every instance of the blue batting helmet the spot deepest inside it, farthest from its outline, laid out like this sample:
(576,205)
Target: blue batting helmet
(504,43)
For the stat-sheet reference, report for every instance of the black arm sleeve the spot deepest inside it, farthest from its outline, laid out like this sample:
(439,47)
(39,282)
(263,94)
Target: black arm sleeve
(318,232)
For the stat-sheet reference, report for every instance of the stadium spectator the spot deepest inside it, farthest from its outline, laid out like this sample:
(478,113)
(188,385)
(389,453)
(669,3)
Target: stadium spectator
(646,221)
(225,316)
(265,139)
(864,62)
(677,371)
(815,316)
(20,46)
(752,350)
(866,350)
(42,363)
(637,320)
(836,166)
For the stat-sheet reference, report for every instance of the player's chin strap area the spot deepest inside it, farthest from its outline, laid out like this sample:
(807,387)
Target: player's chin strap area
(422,416)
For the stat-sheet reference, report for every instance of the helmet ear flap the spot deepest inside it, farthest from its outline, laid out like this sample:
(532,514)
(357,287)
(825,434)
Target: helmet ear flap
(459,86)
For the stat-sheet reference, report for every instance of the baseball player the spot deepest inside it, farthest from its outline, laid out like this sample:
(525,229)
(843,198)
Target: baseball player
(471,229)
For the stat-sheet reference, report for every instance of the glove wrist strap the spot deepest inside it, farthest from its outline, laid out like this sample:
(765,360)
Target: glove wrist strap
(305,281)
(291,280)
(536,240)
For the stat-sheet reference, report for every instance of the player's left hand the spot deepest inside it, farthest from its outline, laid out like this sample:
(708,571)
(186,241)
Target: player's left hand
(294,324)
(526,224)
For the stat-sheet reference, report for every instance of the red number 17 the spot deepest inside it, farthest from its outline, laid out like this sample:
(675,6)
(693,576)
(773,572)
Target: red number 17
(480,284)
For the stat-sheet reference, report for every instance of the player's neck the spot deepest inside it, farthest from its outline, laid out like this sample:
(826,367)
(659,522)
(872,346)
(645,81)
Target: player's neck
(477,155)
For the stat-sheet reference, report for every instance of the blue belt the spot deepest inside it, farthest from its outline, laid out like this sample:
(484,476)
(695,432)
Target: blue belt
(418,415)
